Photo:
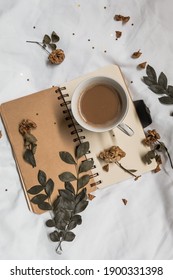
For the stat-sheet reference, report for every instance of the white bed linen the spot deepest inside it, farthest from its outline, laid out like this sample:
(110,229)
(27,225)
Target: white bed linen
(143,229)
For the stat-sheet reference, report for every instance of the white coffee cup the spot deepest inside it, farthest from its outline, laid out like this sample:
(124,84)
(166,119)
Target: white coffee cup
(124,99)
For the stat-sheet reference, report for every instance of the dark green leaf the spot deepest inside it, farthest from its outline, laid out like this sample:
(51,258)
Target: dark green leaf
(151,73)
(50,223)
(35,189)
(162,80)
(69,236)
(170,91)
(29,157)
(82,181)
(45,206)
(42,177)
(54,236)
(46,39)
(148,81)
(166,100)
(28,137)
(150,155)
(82,149)
(157,89)
(86,166)
(55,38)
(67,157)
(69,187)
(52,46)
(63,215)
(82,195)
(67,177)
(66,194)
(81,206)
(39,198)
(77,219)
(132,170)
(72,225)
(49,187)
(61,225)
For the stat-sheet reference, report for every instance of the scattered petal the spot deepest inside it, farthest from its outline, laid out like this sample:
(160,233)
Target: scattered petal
(136,54)
(142,65)
(106,167)
(118,34)
(124,201)
(91,196)
(0,133)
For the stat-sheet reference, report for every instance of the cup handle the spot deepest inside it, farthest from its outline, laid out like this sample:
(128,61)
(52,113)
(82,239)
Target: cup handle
(126,129)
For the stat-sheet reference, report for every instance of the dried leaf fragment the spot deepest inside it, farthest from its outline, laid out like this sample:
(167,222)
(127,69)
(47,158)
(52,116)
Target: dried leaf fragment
(124,201)
(136,54)
(142,65)
(118,34)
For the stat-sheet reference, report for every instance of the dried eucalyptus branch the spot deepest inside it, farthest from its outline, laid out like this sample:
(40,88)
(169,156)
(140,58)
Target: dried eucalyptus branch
(159,86)
(70,201)
(152,140)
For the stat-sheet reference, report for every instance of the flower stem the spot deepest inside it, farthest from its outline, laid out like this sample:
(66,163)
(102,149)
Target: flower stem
(40,44)
(126,170)
(167,153)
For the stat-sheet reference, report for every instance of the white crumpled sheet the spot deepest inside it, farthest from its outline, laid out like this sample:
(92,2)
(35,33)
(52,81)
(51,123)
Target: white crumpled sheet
(143,229)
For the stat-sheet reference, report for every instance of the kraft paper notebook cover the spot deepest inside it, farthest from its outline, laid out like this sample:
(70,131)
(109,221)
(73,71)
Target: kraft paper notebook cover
(56,131)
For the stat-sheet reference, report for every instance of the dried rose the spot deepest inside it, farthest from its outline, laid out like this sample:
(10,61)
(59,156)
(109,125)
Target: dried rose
(112,154)
(136,54)
(26,125)
(56,56)
(151,137)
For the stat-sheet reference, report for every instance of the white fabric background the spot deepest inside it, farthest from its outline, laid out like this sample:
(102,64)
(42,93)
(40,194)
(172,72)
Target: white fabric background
(143,229)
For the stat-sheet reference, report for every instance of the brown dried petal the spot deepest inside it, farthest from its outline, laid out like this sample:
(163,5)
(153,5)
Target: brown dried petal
(91,196)
(125,19)
(118,17)
(0,133)
(124,201)
(106,167)
(56,56)
(136,54)
(118,34)
(142,65)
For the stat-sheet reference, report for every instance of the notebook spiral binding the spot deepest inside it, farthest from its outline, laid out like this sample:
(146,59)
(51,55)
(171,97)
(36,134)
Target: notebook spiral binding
(75,131)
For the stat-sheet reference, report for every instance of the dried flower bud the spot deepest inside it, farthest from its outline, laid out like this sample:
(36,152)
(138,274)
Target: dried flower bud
(56,56)
(136,54)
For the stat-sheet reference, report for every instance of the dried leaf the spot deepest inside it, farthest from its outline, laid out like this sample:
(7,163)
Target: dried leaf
(151,73)
(91,196)
(71,225)
(81,206)
(106,167)
(54,236)
(41,177)
(157,89)
(69,236)
(29,157)
(142,65)
(80,196)
(28,137)
(46,39)
(162,80)
(69,187)
(50,223)
(63,215)
(67,177)
(118,34)
(55,38)
(35,189)
(66,194)
(124,201)
(52,46)
(168,100)
(86,166)
(170,91)
(82,181)
(136,54)
(77,219)
(82,149)
(148,81)
(45,206)
(67,157)
(39,198)
(49,187)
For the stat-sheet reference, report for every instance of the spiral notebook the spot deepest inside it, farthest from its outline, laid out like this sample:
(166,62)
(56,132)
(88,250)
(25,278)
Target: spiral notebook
(58,131)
